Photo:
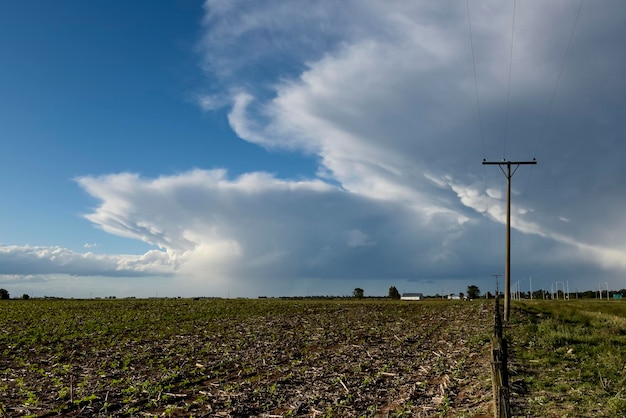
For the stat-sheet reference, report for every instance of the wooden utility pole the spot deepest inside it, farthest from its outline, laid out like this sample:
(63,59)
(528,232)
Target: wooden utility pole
(496,276)
(507,267)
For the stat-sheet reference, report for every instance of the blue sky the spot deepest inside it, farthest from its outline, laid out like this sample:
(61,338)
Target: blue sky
(243,148)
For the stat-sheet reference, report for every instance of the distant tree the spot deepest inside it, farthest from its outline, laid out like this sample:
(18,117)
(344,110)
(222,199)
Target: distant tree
(393,293)
(461,295)
(358,293)
(473,292)
(25,296)
(4,294)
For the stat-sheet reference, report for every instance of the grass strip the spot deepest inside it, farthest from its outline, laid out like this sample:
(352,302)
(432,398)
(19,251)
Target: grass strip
(568,358)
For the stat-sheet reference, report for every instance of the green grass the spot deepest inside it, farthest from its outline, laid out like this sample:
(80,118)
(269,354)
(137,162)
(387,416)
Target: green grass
(569,358)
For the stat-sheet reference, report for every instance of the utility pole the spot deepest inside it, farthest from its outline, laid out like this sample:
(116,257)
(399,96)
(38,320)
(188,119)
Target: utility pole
(507,268)
(497,291)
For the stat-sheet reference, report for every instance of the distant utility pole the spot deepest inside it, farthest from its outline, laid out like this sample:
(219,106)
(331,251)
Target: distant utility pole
(507,273)
(496,276)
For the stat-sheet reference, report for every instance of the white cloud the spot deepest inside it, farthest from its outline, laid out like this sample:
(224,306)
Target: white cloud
(383,95)
(210,102)
(37,260)
(205,221)
(392,113)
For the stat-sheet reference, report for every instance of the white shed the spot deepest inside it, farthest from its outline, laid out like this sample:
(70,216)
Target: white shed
(412,296)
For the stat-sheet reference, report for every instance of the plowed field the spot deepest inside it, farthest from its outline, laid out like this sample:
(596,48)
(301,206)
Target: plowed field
(244,358)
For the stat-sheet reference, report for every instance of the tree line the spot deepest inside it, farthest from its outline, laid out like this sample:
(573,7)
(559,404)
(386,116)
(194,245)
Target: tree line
(4,294)
(473,292)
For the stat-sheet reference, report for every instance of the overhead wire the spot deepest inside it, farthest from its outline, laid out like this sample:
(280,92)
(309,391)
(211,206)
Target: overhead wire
(558,80)
(554,91)
(480,123)
(508,93)
(551,103)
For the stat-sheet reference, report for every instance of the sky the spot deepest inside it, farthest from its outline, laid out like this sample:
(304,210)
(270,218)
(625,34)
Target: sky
(242,148)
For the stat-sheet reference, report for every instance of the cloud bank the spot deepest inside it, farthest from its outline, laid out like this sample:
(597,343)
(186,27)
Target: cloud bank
(383,95)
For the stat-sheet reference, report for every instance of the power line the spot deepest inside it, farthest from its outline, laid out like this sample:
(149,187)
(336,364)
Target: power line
(497,289)
(508,93)
(552,98)
(558,80)
(508,173)
(554,91)
(480,122)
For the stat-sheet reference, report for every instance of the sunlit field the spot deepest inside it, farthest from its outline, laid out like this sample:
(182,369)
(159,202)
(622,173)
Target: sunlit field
(241,358)
(569,358)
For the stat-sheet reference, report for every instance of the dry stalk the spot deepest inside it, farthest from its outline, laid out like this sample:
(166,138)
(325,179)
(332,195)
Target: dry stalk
(71,388)
(344,386)
(387,374)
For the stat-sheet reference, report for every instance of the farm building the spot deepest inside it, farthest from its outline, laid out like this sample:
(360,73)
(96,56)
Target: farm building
(412,296)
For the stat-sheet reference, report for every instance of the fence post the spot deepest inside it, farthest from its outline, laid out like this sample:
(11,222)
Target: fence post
(499,373)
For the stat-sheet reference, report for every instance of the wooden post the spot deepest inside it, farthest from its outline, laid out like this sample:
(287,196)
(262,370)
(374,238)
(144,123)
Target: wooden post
(499,372)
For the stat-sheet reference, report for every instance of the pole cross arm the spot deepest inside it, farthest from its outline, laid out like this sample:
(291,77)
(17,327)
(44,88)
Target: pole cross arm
(485,162)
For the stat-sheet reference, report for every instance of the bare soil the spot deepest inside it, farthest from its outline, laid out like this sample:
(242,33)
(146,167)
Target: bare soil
(245,358)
